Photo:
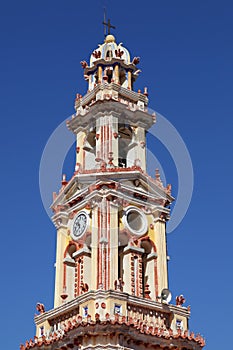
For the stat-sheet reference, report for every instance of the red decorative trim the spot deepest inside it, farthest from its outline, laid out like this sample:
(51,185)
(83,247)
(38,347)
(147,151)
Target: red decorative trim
(108,248)
(156,279)
(103,246)
(77,246)
(98,253)
(155,264)
(140,326)
(64,277)
(84,159)
(148,240)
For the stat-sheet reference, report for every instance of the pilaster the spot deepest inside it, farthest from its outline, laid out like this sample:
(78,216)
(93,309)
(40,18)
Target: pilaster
(159,238)
(62,242)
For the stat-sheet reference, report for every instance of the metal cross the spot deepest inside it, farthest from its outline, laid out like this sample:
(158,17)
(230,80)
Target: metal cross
(109,25)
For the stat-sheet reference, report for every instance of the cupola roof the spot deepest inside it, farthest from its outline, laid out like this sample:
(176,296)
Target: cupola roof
(110,50)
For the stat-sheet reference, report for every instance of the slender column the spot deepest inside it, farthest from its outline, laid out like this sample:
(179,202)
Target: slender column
(78,275)
(159,238)
(116,70)
(114,140)
(104,241)
(132,266)
(151,274)
(94,249)
(100,73)
(80,153)
(113,243)
(103,267)
(129,80)
(100,251)
(90,87)
(62,242)
(141,149)
(137,154)
(83,270)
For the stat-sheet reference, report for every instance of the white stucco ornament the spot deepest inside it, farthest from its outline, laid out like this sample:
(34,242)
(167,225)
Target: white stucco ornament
(110,49)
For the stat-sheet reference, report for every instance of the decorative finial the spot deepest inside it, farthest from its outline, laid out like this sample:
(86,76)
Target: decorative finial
(64,182)
(107,25)
(40,308)
(180,300)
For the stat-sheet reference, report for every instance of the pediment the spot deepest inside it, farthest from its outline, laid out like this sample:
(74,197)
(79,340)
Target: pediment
(146,186)
(134,186)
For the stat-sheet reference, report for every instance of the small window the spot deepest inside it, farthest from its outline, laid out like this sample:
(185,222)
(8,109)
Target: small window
(41,331)
(109,73)
(117,309)
(122,162)
(122,76)
(109,55)
(96,78)
(179,324)
(85,311)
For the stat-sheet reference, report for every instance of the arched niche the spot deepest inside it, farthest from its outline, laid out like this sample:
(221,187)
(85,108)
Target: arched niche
(123,241)
(89,148)
(149,268)
(125,138)
(69,271)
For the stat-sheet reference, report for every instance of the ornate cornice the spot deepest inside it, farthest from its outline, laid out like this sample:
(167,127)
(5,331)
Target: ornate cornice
(136,117)
(128,331)
(111,175)
(121,91)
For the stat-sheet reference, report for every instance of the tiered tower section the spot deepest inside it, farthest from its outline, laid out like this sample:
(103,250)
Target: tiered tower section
(111,260)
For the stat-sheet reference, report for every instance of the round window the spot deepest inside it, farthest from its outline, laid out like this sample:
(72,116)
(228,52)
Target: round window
(135,221)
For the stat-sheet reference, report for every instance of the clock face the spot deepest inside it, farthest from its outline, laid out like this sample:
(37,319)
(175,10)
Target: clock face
(80,225)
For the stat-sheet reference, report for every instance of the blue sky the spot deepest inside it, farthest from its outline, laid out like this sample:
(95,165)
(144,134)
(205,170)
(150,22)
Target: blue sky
(186,60)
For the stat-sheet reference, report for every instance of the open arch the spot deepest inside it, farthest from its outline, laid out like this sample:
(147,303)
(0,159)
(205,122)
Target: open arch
(123,241)
(69,270)
(125,138)
(109,55)
(149,268)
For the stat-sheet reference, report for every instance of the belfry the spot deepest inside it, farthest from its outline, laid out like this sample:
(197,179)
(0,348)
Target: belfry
(111,282)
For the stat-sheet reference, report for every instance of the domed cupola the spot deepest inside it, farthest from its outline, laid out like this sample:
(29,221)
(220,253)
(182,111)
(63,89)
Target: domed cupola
(110,50)
(110,62)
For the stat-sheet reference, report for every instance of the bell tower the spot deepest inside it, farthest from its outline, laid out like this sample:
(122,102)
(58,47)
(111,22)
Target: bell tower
(111,283)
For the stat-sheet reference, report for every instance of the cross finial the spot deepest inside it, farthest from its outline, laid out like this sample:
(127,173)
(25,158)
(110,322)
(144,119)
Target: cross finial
(107,25)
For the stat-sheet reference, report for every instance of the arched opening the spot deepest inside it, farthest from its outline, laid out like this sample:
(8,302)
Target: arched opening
(89,146)
(149,269)
(91,137)
(123,241)
(109,55)
(109,73)
(146,245)
(69,272)
(88,241)
(96,78)
(125,137)
(122,77)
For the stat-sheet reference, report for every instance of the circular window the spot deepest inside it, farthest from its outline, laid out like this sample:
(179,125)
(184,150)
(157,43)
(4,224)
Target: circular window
(135,221)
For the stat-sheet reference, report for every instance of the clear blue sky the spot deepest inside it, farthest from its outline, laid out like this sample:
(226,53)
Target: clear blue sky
(186,60)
